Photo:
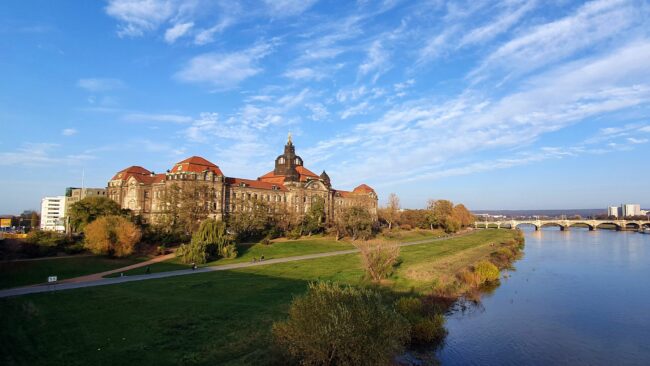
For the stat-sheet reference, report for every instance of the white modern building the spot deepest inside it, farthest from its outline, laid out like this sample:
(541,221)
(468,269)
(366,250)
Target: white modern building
(53,213)
(626,210)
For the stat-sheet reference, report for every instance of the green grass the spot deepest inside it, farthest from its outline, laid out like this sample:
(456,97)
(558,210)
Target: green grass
(14,274)
(208,318)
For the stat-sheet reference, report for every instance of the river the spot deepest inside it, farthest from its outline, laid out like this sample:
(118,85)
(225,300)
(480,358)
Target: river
(576,297)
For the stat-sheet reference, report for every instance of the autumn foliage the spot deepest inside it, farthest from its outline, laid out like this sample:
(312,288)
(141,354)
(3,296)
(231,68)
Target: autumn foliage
(111,235)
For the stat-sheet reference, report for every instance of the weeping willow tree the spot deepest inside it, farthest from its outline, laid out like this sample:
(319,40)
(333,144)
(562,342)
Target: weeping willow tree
(210,241)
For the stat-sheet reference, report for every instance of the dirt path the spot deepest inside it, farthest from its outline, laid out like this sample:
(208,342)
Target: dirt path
(97,280)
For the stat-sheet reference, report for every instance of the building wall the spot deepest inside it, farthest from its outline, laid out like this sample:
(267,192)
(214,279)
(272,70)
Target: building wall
(53,213)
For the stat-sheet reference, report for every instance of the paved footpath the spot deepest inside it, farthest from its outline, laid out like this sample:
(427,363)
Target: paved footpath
(94,281)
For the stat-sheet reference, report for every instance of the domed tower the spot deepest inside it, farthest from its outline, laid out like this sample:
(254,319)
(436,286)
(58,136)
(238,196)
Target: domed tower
(286,163)
(326,179)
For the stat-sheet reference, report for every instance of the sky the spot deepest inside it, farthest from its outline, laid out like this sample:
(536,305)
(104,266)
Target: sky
(494,104)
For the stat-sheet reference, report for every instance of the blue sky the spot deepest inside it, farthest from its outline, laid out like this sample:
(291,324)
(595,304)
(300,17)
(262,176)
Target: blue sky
(512,104)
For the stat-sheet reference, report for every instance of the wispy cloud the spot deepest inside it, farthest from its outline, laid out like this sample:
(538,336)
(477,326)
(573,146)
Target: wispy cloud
(100,84)
(283,8)
(145,117)
(41,154)
(68,132)
(224,71)
(177,31)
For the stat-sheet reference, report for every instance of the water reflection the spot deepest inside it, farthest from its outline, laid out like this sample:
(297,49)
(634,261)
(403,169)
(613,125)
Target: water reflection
(578,297)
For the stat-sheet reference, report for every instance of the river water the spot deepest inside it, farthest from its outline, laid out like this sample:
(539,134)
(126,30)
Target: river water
(575,298)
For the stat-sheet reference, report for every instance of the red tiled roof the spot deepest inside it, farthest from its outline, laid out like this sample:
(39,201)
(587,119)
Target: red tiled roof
(363,189)
(344,193)
(258,184)
(195,164)
(150,179)
(302,171)
(131,171)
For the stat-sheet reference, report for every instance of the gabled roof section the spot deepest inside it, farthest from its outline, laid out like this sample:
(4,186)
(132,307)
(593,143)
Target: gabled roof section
(258,184)
(195,164)
(135,171)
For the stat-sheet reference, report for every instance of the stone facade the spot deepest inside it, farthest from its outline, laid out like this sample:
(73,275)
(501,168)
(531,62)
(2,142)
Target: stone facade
(289,186)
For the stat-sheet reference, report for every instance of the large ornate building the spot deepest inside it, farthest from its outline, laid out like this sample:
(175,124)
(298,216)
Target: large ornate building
(289,185)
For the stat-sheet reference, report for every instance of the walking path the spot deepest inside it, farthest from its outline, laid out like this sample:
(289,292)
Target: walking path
(100,275)
(96,280)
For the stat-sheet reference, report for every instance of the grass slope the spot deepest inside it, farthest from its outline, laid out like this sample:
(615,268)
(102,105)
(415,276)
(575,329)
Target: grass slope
(208,318)
(14,274)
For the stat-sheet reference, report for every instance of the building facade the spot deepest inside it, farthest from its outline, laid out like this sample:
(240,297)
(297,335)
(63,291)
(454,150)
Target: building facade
(77,194)
(289,186)
(53,213)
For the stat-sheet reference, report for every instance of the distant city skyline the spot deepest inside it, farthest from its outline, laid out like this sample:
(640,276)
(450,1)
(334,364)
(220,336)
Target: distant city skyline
(498,105)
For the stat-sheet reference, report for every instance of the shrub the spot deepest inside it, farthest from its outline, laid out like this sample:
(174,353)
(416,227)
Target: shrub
(266,240)
(336,325)
(486,272)
(229,251)
(378,259)
(405,227)
(427,323)
(111,235)
(208,242)
(294,234)
(45,238)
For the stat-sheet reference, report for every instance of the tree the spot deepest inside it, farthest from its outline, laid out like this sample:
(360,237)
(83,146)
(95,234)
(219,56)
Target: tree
(462,215)
(185,205)
(391,212)
(337,325)
(378,259)
(111,235)
(354,221)
(250,219)
(314,220)
(210,241)
(87,210)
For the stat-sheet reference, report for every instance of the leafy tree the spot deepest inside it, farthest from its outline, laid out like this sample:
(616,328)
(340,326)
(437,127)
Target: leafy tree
(87,210)
(336,325)
(250,219)
(185,205)
(314,220)
(111,235)
(378,259)
(210,241)
(390,213)
(45,238)
(354,221)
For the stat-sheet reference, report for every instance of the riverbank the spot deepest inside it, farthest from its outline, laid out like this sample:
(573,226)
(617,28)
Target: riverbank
(218,318)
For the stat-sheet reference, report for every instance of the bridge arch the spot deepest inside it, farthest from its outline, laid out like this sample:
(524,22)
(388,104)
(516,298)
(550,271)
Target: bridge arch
(582,224)
(618,227)
(645,225)
(553,224)
(632,225)
(526,224)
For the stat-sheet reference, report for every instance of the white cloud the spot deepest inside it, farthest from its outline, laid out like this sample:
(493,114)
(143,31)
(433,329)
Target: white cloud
(100,84)
(304,73)
(140,16)
(376,61)
(40,154)
(634,140)
(592,23)
(361,108)
(497,26)
(144,117)
(206,36)
(68,132)
(224,71)
(177,31)
(318,111)
(283,8)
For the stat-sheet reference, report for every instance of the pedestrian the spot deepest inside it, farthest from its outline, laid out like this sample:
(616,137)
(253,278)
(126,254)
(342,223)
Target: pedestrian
(148,270)
(262,258)
(193,266)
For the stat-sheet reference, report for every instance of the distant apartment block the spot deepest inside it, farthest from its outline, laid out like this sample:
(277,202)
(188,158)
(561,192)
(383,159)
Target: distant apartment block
(77,194)
(53,213)
(626,210)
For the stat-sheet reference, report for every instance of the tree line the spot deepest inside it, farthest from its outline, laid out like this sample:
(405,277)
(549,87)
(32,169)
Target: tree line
(439,214)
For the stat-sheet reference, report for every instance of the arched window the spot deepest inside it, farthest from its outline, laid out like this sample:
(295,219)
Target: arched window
(281,161)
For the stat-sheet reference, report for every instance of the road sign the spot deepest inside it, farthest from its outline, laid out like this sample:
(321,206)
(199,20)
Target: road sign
(51,279)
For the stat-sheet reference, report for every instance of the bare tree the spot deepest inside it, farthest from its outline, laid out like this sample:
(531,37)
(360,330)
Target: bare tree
(391,212)
(378,258)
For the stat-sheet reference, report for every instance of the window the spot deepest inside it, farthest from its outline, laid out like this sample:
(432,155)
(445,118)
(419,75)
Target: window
(281,161)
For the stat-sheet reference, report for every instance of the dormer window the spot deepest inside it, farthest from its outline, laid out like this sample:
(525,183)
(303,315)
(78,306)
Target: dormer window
(281,161)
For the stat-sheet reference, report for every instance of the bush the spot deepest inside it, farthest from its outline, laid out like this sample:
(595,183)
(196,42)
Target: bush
(378,259)
(266,241)
(427,323)
(335,325)
(111,235)
(294,234)
(405,227)
(74,248)
(45,238)
(486,272)
(229,251)
(208,242)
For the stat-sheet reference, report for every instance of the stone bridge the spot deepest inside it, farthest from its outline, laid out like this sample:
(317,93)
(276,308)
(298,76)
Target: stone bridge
(565,224)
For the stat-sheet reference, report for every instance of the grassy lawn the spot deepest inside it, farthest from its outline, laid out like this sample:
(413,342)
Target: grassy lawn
(14,274)
(286,248)
(208,318)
